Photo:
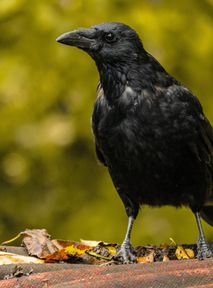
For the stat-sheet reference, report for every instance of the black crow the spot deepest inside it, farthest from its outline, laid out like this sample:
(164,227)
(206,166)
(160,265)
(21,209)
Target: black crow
(150,131)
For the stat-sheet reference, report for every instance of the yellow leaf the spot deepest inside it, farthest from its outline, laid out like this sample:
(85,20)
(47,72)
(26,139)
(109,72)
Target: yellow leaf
(76,251)
(146,259)
(182,253)
(112,250)
(173,241)
(190,253)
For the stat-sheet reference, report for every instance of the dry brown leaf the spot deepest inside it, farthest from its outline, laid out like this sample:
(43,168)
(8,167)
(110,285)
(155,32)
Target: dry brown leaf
(38,243)
(77,249)
(57,256)
(60,244)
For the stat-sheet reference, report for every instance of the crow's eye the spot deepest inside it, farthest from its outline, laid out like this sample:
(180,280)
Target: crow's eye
(109,37)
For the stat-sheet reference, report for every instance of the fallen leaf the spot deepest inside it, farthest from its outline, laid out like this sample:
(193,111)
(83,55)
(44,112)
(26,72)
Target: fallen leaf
(17,272)
(60,244)
(182,253)
(94,254)
(112,250)
(165,258)
(173,241)
(190,253)
(146,259)
(57,256)
(38,243)
(77,249)
(104,250)
(11,258)
(90,243)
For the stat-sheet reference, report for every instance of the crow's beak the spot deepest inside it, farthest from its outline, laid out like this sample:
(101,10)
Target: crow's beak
(82,38)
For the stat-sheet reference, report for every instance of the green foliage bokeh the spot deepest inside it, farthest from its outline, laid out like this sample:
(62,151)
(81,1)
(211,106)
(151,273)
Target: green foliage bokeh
(49,175)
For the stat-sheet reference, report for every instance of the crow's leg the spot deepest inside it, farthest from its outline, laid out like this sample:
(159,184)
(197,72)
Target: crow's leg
(203,250)
(126,252)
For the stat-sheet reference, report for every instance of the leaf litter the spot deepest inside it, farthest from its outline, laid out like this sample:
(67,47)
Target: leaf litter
(42,249)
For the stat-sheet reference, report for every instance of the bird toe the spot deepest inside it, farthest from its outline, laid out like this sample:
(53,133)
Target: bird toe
(203,250)
(126,254)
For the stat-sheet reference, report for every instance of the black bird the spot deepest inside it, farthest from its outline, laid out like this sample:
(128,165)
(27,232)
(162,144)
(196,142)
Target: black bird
(150,131)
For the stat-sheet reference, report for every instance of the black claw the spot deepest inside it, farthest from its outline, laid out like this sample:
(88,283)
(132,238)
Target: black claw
(203,250)
(203,254)
(126,254)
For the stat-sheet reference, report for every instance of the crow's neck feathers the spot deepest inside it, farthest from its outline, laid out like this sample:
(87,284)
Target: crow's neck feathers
(113,80)
(138,75)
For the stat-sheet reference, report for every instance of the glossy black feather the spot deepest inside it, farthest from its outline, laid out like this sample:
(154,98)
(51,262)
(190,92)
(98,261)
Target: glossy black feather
(150,132)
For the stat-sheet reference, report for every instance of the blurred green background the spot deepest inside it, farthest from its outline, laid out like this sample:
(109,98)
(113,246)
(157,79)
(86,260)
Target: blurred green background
(49,175)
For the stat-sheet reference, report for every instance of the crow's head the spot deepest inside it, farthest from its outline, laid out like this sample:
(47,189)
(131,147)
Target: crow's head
(106,43)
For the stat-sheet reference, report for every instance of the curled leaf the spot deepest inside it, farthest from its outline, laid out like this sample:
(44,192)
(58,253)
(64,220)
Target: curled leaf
(38,243)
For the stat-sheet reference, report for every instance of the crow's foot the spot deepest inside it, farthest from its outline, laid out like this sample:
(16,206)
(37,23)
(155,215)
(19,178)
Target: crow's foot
(203,250)
(126,254)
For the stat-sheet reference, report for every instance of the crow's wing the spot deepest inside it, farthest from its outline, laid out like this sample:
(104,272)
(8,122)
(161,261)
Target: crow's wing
(207,139)
(203,149)
(100,156)
(96,118)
